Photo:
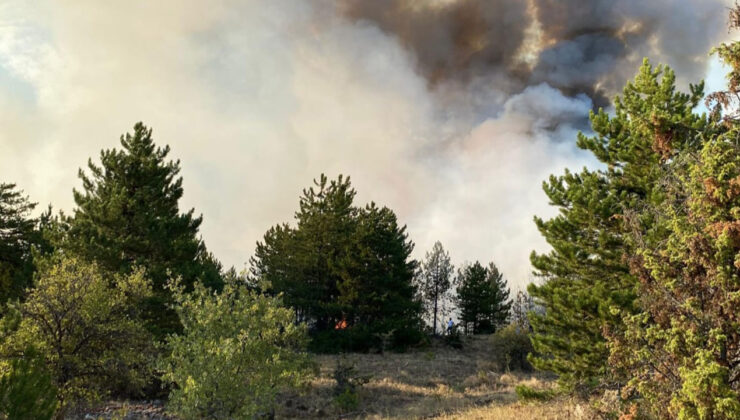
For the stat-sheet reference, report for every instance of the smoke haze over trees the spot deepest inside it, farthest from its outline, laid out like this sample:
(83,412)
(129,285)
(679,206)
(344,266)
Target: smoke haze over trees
(483,104)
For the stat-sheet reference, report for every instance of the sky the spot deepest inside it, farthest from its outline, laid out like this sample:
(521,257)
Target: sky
(450,112)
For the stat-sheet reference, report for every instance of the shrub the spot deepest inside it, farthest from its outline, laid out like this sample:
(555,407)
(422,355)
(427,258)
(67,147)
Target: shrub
(510,347)
(348,383)
(453,338)
(238,349)
(26,390)
(86,328)
(526,393)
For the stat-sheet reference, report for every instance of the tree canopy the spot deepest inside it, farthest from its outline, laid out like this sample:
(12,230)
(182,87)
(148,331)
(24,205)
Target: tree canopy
(346,270)
(128,216)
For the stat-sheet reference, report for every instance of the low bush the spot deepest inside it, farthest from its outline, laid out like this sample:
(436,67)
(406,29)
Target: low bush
(238,350)
(348,382)
(510,347)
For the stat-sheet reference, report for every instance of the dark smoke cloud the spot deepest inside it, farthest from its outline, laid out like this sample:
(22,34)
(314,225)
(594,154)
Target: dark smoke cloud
(578,46)
(594,46)
(451,40)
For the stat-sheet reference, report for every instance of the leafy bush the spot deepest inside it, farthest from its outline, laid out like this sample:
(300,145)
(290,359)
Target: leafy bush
(86,328)
(510,347)
(26,389)
(237,351)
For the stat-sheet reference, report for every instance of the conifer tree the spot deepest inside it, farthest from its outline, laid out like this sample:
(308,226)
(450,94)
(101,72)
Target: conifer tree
(128,216)
(497,305)
(341,265)
(482,298)
(471,281)
(302,262)
(585,278)
(435,281)
(377,287)
(681,351)
(18,234)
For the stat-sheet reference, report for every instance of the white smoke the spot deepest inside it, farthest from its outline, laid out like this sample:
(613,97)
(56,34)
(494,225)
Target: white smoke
(258,98)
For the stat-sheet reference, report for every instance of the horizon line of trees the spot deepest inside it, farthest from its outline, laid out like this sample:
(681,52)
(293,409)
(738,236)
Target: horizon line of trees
(122,294)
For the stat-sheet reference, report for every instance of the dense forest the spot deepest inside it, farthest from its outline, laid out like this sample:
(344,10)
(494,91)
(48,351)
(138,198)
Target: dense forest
(637,295)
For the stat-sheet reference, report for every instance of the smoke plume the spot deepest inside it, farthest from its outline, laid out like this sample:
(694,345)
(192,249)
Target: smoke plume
(577,46)
(451,112)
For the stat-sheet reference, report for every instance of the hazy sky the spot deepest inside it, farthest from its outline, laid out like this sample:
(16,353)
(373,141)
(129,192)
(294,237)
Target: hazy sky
(450,112)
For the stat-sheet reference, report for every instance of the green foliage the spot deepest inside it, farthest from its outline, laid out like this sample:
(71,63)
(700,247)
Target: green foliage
(238,349)
(682,349)
(26,389)
(510,347)
(342,266)
(347,400)
(348,383)
(482,298)
(86,327)
(586,281)
(435,281)
(127,216)
(18,234)
(526,393)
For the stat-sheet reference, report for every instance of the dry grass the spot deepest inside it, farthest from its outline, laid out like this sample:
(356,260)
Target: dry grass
(438,382)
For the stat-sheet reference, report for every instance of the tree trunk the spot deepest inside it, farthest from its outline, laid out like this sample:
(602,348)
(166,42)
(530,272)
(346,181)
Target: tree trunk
(434,324)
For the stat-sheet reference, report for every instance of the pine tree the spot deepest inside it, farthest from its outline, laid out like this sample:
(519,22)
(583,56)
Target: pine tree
(127,216)
(341,265)
(496,303)
(435,281)
(471,281)
(681,351)
(585,278)
(302,262)
(482,298)
(18,234)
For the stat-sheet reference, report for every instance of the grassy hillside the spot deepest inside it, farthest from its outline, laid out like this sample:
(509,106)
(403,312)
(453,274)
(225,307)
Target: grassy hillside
(436,382)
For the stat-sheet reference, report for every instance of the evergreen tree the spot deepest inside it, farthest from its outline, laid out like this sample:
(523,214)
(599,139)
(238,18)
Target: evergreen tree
(127,216)
(482,298)
(302,263)
(435,281)
(496,303)
(18,234)
(341,265)
(681,351)
(471,281)
(585,278)
(377,287)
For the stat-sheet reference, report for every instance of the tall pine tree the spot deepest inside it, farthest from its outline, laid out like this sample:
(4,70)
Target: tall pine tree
(496,305)
(435,281)
(585,278)
(127,216)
